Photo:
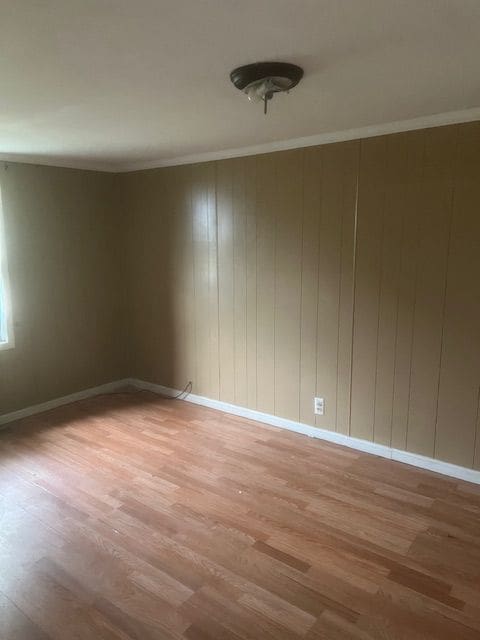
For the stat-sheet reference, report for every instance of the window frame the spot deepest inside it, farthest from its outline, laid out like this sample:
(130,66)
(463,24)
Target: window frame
(5,292)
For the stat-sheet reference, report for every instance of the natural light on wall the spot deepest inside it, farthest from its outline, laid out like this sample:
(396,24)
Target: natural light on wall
(6,324)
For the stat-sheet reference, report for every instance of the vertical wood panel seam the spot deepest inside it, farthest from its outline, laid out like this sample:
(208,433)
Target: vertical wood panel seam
(211,226)
(194,280)
(218,272)
(234,289)
(445,287)
(340,278)
(380,278)
(354,283)
(395,348)
(245,263)
(275,228)
(245,269)
(256,280)
(301,288)
(415,285)
(208,287)
(319,237)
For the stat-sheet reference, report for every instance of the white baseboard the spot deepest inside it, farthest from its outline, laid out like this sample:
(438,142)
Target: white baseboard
(423,462)
(431,464)
(109,387)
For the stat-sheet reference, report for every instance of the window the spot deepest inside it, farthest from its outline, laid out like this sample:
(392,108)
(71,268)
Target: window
(6,325)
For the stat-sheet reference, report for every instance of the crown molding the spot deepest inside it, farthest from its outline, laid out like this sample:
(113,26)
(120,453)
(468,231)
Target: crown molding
(423,122)
(59,163)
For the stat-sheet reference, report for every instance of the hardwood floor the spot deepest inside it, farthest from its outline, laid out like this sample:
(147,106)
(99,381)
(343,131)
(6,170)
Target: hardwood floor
(132,517)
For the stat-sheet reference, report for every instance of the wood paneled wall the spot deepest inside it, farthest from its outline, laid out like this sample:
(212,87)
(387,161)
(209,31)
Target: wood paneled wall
(349,271)
(64,247)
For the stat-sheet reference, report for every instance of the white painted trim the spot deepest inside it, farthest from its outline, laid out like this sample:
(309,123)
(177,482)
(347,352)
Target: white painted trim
(60,163)
(445,468)
(438,466)
(109,387)
(9,343)
(423,122)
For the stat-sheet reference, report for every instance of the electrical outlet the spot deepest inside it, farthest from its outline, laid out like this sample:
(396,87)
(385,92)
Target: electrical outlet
(319,406)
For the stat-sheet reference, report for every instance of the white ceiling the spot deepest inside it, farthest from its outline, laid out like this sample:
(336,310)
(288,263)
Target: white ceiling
(118,84)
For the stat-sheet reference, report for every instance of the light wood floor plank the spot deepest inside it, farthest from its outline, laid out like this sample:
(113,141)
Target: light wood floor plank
(133,517)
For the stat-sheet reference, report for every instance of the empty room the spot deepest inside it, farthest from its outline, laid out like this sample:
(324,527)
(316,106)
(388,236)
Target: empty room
(240,320)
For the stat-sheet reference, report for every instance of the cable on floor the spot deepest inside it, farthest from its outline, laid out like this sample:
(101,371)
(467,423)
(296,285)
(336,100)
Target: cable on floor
(181,395)
(187,390)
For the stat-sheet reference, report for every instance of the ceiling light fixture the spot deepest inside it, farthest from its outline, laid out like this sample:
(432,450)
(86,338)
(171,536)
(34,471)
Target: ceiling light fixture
(261,80)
